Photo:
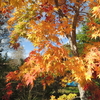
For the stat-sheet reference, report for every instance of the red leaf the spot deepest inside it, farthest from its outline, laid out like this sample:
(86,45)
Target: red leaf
(5,97)
(86,87)
(27,59)
(16,45)
(9,92)
(19,86)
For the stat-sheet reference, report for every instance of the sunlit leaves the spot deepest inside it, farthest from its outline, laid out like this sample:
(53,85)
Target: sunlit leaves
(96,11)
(14,3)
(93,59)
(53,60)
(93,25)
(12,76)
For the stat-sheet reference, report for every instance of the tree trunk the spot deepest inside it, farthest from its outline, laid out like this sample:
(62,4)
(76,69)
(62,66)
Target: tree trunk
(73,46)
(74,49)
(72,36)
(82,93)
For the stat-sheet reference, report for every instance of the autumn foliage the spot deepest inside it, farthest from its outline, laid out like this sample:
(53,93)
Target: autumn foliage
(42,22)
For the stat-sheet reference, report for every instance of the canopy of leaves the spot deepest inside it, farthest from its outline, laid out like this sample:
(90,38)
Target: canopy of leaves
(42,22)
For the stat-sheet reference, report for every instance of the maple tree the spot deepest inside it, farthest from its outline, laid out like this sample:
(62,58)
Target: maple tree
(42,22)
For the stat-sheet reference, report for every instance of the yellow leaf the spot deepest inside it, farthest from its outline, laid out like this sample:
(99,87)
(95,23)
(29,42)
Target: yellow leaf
(95,8)
(55,8)
(88,77)
(99,75)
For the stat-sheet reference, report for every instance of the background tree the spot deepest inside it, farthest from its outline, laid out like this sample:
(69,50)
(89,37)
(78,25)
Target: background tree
(4,32)
(17,56)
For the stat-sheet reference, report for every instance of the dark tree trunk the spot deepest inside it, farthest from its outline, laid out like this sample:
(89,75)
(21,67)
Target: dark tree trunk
(74,49)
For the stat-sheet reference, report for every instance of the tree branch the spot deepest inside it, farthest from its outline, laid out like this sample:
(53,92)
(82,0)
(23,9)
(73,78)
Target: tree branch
(60,13)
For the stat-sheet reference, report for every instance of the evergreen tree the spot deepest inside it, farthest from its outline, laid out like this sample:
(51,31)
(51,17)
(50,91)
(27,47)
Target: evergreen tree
(4,32)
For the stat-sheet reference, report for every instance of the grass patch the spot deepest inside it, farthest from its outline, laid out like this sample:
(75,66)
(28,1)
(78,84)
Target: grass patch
(68,90)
